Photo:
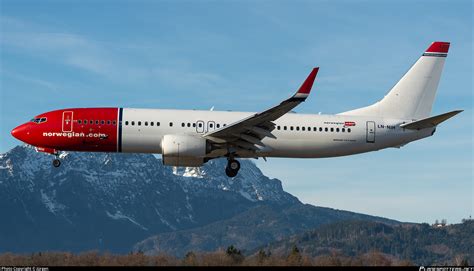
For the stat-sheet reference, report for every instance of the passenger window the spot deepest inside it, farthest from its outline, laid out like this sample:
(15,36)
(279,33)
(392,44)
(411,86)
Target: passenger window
(114,122)
(200,125)
(189,125)
(108,122)
(291,128)
(133,123)
(332,129)
(171,124)
(126,123)
(337,130)
(194,125)
(182,124)
(79,121)
(278,127)
(152,123)
(320,129)
(211,125)
(102,122)
(303,128)
(218,125)
(314,129)
(343,130)
(284,128)
(96,122)
(348,130)
(225,124)
(85,121)
(139,123)
(326,129)
(146,123)
(158,123)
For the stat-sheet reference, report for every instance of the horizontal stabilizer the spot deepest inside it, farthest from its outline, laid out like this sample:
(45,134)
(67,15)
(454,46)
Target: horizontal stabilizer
(430,122)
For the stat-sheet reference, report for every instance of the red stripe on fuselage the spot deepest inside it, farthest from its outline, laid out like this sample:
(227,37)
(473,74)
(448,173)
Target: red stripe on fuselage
(93,129)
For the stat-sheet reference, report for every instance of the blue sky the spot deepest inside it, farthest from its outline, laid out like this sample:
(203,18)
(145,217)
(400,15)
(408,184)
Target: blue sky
(249,55)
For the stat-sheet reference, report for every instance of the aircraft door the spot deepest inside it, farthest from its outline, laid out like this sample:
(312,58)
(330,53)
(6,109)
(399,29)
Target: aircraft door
(211,126)
(371,132)
(200,126)
(67,121)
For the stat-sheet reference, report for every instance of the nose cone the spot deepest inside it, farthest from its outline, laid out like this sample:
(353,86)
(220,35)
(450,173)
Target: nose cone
(21,132)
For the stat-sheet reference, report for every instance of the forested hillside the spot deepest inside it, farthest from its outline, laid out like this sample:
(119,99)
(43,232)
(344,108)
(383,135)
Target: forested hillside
(419,243)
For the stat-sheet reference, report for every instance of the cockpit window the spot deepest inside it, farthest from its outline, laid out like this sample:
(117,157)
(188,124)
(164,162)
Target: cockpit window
(39,120)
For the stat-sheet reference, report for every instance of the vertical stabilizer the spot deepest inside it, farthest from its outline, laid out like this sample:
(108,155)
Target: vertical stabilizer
(413,96)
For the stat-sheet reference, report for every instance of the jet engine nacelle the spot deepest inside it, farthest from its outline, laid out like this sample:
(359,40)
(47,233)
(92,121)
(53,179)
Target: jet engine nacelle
(183,150)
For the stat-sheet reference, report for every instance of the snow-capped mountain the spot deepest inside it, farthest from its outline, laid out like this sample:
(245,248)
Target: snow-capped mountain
(111,201)
(124,202)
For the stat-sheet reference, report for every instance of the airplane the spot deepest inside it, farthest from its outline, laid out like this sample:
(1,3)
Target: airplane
(190,138)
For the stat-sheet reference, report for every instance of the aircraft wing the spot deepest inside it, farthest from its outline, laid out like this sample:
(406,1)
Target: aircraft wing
(248,133)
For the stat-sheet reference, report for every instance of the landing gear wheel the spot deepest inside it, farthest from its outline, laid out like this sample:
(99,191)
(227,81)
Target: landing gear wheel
(56,162)
(232,168)
(233,165)
(230,173)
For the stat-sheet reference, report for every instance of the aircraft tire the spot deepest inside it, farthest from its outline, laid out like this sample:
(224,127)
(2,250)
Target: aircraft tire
(56,162)
(232,168)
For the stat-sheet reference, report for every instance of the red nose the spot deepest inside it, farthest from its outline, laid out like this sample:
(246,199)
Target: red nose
(21,132)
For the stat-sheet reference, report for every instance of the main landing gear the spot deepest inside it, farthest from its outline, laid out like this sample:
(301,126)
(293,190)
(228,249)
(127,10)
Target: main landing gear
(232,168)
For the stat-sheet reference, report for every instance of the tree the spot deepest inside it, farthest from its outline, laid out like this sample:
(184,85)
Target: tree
(460,260)
(262,256)
(235,254)
(190,259)
(295,256)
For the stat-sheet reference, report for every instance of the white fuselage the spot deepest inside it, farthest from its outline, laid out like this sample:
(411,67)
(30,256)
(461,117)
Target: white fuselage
(297,135)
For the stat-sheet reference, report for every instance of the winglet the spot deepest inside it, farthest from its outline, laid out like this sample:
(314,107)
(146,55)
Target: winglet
(305,88)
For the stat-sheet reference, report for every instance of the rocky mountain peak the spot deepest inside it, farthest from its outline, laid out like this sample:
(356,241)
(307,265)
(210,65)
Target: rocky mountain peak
(95,196)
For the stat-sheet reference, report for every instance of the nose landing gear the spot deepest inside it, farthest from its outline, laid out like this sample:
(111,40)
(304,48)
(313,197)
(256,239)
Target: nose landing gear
(232,168)
(56,162)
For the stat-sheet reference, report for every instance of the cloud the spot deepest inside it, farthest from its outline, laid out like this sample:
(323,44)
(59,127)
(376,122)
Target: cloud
(30,79)
(67,48)
(105,59)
